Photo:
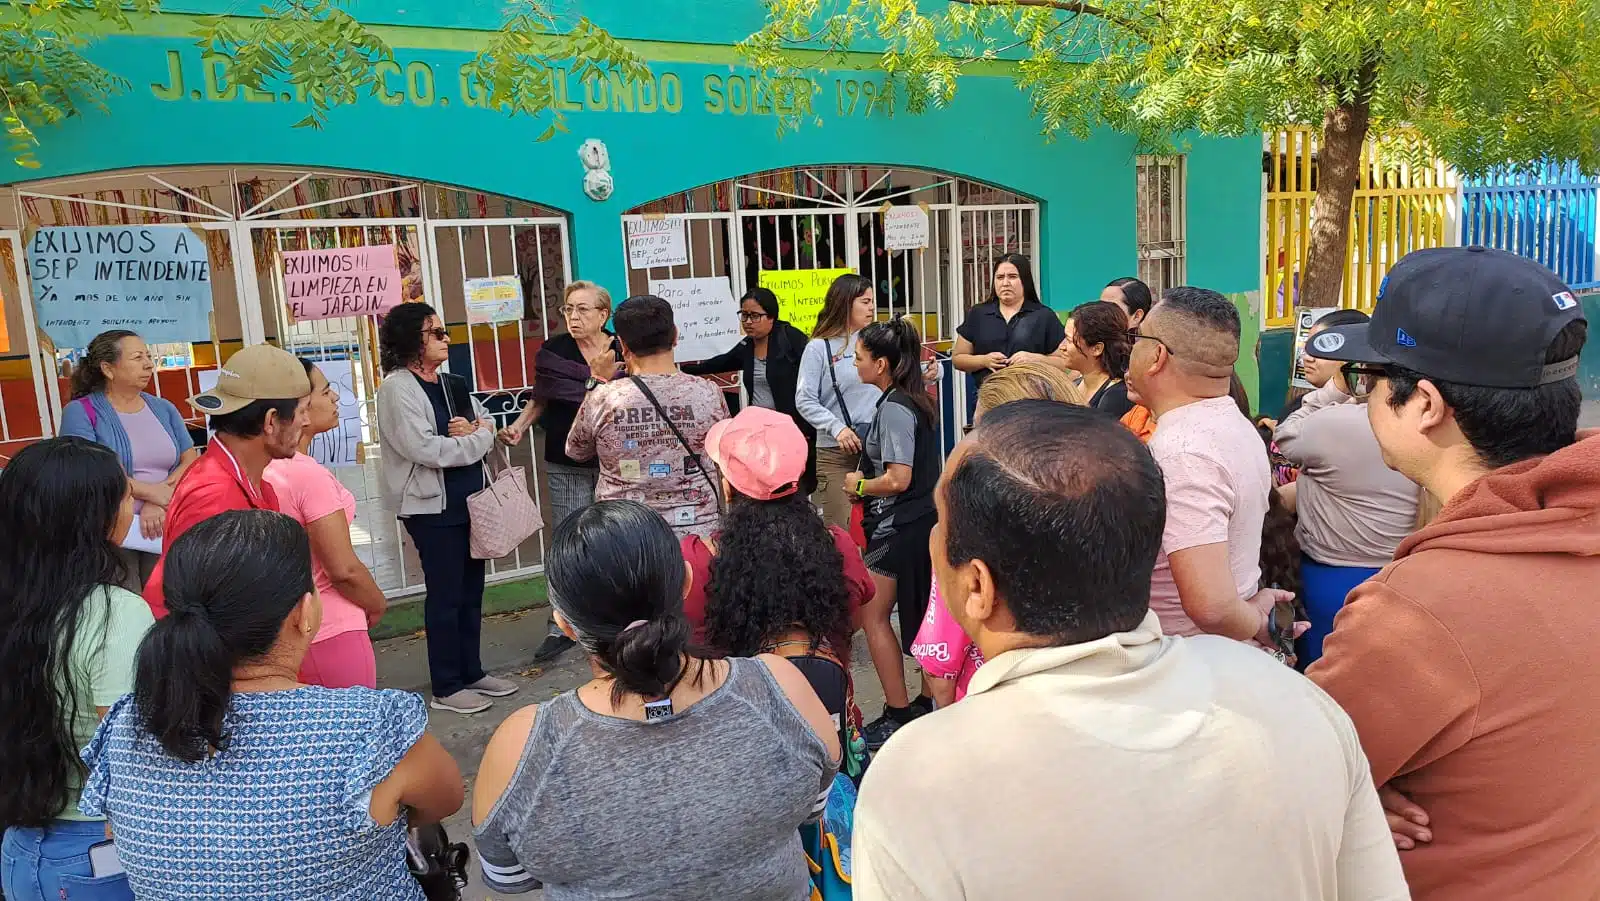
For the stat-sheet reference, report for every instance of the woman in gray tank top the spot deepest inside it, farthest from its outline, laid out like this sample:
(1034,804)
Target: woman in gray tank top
(667,776)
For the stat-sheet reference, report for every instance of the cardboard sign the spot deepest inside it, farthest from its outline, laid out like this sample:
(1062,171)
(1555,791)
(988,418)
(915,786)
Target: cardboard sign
(341,281)
(152,279)
(705,313)
(801,293)
(494,299)
(1308,318)
(657,242)
(905,227)
(339,446)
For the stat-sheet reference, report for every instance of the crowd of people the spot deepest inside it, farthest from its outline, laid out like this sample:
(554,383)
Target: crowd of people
(1107,587)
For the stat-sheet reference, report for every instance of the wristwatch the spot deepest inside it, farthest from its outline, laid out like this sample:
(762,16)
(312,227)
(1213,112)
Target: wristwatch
(592,384)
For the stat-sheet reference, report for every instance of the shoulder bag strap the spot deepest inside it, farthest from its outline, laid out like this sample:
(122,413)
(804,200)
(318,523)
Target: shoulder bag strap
(88,408)
(716,490)
(837,394)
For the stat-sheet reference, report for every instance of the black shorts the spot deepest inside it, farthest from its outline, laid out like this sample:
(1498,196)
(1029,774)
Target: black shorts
(903,556)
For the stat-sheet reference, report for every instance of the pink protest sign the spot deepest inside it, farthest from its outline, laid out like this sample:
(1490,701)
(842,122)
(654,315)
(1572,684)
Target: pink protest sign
(340,281)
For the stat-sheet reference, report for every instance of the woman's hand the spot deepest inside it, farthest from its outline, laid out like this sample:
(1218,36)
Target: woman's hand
(995,361)
(1408,823)
(152,520)
(158,493)
(850,481)
(511,435)
(461,428)
(848,440)
(1025,356)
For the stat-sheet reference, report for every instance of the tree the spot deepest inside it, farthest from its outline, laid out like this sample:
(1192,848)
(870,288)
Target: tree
(316,47)
(1485,83)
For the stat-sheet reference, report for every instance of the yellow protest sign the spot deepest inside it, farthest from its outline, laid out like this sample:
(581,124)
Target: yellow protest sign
(800,293)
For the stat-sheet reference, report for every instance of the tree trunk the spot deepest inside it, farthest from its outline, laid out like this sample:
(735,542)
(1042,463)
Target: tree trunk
(1344,130)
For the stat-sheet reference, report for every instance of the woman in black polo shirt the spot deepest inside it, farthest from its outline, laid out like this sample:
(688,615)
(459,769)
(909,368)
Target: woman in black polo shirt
(1011,327)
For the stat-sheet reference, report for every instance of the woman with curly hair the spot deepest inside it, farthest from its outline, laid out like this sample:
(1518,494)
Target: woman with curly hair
(1097,347)
(776,579)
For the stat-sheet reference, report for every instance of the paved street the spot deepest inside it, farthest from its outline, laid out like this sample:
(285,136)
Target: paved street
(508,643)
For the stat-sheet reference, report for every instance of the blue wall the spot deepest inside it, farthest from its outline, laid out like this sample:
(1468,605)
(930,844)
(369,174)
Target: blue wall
(987,134)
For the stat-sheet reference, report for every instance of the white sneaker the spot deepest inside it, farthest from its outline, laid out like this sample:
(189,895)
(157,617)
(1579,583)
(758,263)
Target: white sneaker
(492,687)
(463,701)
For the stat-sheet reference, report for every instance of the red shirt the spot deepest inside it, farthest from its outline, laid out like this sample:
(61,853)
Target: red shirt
(858,581)
(216,483)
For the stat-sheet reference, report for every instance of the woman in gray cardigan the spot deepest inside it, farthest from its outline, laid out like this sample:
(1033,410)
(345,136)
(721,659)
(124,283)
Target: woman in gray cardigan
(432,461)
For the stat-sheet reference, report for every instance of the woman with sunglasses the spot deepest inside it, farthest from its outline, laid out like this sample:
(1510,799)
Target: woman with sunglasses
(768,359)
(435,436)
(1353,509)
(560,376)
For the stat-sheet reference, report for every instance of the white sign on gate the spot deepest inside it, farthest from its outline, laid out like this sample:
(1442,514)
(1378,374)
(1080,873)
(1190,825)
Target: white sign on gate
(657,242)
(705,313)
(905,227)
(337,446)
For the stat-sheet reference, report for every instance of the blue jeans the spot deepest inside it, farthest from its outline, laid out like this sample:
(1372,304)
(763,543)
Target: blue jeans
(52,864)
(1323,589)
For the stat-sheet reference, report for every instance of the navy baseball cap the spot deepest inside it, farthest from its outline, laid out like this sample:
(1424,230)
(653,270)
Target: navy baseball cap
(1469,315)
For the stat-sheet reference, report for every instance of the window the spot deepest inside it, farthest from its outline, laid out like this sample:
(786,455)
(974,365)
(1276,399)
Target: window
(1159,211)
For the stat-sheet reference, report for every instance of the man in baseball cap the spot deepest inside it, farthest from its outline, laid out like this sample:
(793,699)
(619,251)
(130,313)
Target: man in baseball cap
(257,414)
(1467,664)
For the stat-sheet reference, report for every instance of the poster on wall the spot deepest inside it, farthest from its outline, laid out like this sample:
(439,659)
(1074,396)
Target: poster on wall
(1308,318)
(497,298)
(341,281)
(657,242)
(151,279)
(705,313)
(905,227)
(341,445)
(800,293)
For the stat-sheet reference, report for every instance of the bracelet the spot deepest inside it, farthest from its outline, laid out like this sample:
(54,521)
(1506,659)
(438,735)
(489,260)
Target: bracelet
(861,487)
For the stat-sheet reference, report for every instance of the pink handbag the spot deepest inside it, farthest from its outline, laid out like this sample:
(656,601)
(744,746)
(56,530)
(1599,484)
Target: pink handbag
(503,514)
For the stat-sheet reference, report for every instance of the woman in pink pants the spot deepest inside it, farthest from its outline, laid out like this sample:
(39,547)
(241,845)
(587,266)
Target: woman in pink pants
(341,655)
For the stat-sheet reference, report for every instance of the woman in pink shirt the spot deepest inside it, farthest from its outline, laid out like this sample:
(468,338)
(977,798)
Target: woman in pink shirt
(341,654)
(942,648)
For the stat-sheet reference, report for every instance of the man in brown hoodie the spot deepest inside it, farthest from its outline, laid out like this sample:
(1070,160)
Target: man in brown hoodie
(1471,664)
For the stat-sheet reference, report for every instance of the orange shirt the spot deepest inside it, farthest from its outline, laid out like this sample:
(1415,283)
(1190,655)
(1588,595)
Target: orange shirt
(1140,422)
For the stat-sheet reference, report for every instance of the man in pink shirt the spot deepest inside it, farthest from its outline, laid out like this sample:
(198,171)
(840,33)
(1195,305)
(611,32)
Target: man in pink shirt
(1207,577)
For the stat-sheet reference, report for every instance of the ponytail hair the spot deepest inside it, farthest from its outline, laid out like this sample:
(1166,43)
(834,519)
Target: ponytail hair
(230,583)
(106,347)
(898,343)
(616,575)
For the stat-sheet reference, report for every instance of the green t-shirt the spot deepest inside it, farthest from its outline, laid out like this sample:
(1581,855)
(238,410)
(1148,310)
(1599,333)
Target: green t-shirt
(113,623)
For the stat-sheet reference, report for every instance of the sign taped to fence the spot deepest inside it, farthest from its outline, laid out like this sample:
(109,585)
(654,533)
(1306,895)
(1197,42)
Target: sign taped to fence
(1304,323)
(340,445)
(657,242)
(705,312)
(497,298)
(341,281)
(800,293)
(151,279)
(905,227)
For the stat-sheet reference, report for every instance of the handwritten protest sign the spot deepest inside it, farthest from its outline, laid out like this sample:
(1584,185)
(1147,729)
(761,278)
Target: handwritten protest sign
(800,293)
(704,311)
(152,279)
(905,227)
(338,446)
(494,299)
(1308,318)
(340,281)
(656,242)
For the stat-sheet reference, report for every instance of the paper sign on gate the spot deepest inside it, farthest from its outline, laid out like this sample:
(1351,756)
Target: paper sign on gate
(905,227)
(341,281)
(340,445)
(657,242)
(800,293)
(494,299)
(152,279)
(705,313)
(1309,317)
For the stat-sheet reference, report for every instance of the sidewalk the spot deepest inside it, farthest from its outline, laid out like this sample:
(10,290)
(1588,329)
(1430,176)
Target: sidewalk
(508,643)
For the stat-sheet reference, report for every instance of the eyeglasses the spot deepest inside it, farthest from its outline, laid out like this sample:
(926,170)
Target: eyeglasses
(1361,378)
(747,316)
(438,334)
(1134,334)
(570,312)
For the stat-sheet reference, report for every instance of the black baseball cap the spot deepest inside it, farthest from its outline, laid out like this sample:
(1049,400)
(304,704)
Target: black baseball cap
(1469,315)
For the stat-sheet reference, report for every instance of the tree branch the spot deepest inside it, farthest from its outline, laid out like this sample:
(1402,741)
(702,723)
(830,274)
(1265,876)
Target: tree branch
(1069,6)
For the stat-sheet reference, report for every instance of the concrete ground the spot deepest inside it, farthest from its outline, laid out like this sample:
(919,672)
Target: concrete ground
(508,644)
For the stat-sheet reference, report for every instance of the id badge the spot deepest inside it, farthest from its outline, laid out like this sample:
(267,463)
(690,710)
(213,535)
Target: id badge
(629,470)
(683,516)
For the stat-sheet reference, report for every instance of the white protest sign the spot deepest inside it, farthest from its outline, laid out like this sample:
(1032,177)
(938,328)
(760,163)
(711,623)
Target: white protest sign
(705,313)
(905,227)
(656,242)
(336,447)
(1307,320)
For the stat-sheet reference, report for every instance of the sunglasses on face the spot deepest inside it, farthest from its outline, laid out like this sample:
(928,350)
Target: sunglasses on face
(1360,378)
(438,334)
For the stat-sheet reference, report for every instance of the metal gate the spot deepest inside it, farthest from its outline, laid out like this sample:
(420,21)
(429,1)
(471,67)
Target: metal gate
(833,218)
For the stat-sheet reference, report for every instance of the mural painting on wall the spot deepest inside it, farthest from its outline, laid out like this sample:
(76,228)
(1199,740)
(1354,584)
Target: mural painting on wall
(539,259)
